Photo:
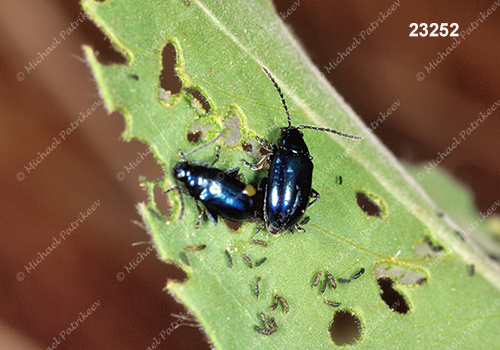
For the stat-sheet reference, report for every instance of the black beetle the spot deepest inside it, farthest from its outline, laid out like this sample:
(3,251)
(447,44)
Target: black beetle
(221,192)
(287,189)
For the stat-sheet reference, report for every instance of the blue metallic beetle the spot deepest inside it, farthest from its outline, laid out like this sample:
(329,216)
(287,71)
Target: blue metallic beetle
(288,187)
(221,192)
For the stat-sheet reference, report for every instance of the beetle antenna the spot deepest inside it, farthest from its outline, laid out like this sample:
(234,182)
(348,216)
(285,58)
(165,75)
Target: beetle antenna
(305,126)
(281,95)
(355,137)
(204,145)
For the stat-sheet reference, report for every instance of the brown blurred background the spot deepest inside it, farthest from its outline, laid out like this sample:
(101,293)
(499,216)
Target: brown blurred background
(82,270)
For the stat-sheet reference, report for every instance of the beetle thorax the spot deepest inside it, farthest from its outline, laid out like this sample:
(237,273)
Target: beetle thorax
(292,140)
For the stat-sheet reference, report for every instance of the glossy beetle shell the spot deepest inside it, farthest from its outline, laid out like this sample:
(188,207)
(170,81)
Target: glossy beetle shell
(221,192)
(288,186)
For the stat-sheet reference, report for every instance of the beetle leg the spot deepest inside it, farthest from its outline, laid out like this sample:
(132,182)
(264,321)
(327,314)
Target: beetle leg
(211,216)
(259,228)
(314,195)
(300,228)
(264,144)
(259,165)
(305,221)
(271,148)
(200,215)
(232,172)
(181,154)
(217,151)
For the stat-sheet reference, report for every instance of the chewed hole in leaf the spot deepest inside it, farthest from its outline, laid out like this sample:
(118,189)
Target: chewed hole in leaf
(413,277)
(200,130)
(252,148)
(105,53)
(371,204)
(345,328)
(199,101)
(194,136)
(432,246)
(401,274)
(233,123)
(169,81)
(247,147)
(395,300)
(233,225)
(161,201)
(429,249)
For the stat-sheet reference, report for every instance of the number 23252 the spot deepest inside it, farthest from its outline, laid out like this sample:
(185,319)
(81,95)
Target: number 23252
(434,29)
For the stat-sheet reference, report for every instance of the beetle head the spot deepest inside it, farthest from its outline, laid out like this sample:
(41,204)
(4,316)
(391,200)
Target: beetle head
(180,171)
(292,140)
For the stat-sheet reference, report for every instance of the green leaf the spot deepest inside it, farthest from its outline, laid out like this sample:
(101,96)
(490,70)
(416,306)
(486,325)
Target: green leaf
(482,230)
(221,48)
